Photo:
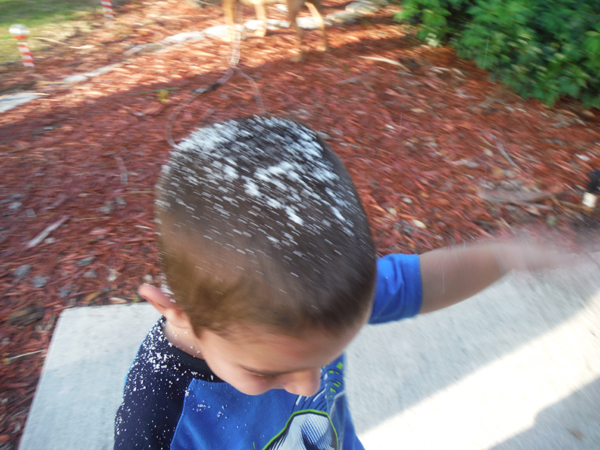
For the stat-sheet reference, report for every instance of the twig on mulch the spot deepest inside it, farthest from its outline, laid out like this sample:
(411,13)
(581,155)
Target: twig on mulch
(356,79)
(49,229)
(152,91)
(257,96)
(516,197)
(54,41)
(576,206)
(12,358)
(123,170)
(504,153)
(386,60)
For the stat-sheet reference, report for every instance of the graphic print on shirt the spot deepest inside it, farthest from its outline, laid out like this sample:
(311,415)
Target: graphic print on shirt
(314,423)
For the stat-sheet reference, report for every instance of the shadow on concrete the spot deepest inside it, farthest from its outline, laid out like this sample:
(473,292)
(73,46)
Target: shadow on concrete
(572,423)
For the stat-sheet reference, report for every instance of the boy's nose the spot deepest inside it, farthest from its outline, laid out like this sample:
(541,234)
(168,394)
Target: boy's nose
(306,382)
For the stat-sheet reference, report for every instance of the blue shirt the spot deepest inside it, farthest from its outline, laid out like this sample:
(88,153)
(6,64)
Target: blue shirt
(173,401)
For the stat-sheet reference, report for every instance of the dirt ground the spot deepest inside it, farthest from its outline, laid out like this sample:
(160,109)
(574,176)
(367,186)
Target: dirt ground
(439,154)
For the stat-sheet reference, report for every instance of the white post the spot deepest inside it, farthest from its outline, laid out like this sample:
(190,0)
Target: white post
(19,32)
(108,9)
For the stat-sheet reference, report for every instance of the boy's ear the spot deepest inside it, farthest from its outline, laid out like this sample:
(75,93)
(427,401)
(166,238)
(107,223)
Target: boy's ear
(163,304)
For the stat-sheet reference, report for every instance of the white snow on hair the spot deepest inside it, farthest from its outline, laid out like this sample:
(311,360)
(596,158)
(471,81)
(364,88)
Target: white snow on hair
(225,166)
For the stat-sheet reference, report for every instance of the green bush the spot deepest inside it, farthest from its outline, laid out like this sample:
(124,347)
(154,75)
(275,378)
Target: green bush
(542,49)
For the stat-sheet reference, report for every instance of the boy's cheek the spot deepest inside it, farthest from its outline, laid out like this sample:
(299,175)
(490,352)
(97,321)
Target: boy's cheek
(245,383)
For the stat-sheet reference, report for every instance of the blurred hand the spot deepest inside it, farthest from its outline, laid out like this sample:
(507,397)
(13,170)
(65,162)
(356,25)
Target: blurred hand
(524,255)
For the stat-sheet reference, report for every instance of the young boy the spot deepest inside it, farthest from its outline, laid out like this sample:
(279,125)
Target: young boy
(271,272)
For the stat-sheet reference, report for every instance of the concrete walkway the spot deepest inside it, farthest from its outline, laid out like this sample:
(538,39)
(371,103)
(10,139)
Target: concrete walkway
(517,367)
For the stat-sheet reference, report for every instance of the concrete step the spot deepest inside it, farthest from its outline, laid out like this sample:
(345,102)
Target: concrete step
(83,376)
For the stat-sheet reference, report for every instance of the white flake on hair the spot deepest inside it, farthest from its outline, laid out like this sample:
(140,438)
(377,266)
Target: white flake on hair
(252,188)
(233,201)
(338,214)
(230,173)
(293,216)
(274,203)
(165,288)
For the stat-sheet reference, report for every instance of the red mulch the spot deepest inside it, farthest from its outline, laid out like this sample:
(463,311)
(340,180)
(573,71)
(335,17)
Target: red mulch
(419,140)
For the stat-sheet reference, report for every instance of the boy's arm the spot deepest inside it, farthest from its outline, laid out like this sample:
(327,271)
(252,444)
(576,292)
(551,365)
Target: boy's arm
(450,275)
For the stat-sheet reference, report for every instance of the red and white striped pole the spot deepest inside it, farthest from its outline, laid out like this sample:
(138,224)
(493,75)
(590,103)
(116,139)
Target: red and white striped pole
(108,9)
(19,32)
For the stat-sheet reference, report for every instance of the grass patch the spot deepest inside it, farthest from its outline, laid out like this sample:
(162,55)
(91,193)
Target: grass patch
(41,17)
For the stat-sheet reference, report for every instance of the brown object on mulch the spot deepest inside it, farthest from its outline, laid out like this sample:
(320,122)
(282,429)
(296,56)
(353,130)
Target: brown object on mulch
(516,197)
(26,316)
(420,139)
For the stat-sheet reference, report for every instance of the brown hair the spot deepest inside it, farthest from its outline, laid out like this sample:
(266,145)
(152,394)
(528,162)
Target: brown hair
(260,223)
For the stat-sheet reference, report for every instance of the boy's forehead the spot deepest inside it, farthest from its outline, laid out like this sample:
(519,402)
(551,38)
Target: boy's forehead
(242,332)
(264,351)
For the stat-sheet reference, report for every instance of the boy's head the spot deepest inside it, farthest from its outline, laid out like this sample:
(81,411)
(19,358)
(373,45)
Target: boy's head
(260,226)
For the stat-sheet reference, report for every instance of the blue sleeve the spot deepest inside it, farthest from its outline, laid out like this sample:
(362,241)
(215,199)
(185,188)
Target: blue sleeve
(398,293)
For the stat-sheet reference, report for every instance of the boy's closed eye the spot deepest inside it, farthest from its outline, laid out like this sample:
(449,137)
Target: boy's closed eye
(268,375)
(264,376)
